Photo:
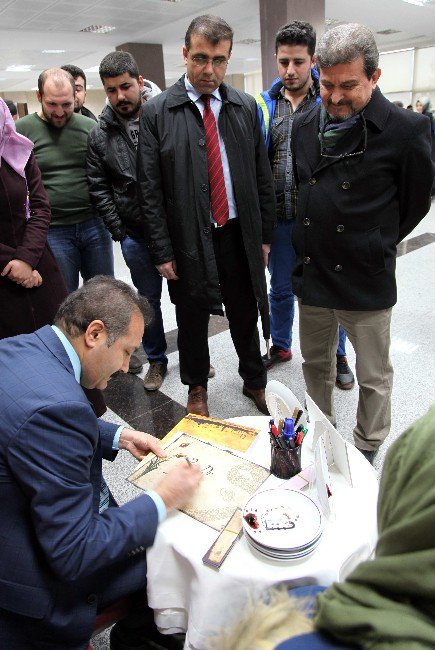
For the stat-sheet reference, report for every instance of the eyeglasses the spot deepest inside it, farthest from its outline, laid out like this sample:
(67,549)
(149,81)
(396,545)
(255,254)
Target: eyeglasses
(201,61)
(345,155)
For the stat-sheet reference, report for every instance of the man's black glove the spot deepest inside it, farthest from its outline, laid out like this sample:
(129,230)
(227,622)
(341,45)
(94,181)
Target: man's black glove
(118,232)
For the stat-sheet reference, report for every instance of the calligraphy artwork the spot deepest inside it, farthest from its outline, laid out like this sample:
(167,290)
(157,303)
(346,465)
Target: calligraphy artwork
(229,480)
(221,432)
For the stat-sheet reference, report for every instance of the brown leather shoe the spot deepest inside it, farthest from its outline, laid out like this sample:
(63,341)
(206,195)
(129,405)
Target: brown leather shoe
(258,396)
(197,401)
(155,375)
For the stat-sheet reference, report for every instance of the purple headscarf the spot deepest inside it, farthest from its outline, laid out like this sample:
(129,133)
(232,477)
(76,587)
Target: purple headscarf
(14,148)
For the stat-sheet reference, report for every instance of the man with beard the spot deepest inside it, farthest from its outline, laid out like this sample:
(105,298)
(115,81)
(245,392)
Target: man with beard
(77,236)
(111,168)
(295,91)
(364,175)
(80,95)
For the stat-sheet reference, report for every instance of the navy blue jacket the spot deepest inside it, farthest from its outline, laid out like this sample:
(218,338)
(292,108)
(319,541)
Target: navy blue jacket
(56,552)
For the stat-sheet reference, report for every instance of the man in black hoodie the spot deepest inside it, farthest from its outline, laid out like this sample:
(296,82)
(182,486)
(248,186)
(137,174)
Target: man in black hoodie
(111,168)
(80,83)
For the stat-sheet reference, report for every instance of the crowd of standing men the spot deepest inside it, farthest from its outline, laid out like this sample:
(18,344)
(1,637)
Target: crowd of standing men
(205,187)
(185,183)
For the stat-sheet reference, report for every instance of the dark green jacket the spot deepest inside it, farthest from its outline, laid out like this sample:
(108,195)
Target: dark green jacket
(389,603)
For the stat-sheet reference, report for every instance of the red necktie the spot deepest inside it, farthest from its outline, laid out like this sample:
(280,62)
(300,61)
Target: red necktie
(218,192)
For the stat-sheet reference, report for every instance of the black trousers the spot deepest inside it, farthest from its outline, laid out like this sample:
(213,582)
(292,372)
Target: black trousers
(240,308)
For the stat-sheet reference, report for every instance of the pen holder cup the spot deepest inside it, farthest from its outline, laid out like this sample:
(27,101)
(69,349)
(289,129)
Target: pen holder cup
(285,463)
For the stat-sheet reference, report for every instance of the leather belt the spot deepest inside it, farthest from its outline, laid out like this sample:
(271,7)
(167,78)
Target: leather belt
(230,222)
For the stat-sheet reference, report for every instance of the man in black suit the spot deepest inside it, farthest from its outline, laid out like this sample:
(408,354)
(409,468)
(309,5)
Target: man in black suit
(364,175)
(208,207)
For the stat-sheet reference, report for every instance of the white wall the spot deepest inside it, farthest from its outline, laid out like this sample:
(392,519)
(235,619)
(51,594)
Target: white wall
(407,75)
(95,100)
(253,83)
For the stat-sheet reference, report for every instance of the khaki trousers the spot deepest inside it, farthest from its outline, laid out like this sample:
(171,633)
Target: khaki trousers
(369,333)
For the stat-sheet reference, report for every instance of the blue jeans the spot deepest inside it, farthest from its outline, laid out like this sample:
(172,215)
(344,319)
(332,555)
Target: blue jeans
(311,640)
(341,350)
(83,248)
(282,261)
(148,282)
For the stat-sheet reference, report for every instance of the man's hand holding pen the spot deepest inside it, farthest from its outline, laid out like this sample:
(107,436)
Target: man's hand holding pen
(180,484)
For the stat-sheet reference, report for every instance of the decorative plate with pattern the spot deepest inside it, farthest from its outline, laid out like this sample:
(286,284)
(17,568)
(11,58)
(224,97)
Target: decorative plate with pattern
(282,520)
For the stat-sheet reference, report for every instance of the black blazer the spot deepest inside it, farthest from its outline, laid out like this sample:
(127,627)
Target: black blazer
(353,212)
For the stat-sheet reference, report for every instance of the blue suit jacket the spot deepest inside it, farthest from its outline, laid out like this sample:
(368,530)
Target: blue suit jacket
(57,554)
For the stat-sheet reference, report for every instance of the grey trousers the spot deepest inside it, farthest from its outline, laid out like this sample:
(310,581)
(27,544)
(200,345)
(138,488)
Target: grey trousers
(369,333)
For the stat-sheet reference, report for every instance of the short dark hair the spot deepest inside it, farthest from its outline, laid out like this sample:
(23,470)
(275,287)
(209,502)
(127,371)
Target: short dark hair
(296,33)
(102,298)
(58,76)
(345,44)
(212,28)
(117,63)
(12,108)
(74,71)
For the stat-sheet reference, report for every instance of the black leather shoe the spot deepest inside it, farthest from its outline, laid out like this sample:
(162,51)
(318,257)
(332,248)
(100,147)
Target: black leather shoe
(258,396)
(144,639)
(369,454)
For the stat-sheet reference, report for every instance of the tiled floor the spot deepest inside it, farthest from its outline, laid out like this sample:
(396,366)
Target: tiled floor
(412,353)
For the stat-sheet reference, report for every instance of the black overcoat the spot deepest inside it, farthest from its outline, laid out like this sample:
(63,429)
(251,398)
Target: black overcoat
(353,212)
(174,190)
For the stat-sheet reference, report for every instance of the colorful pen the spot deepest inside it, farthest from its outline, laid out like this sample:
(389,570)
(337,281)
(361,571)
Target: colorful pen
(298,416)
(288,432)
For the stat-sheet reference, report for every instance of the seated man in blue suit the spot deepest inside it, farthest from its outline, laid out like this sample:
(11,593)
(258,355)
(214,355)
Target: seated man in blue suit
(66,552)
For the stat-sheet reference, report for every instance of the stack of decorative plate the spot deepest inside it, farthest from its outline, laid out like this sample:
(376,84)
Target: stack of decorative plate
(282,524)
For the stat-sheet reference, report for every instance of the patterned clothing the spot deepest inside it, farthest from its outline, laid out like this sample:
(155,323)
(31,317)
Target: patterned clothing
(280,152)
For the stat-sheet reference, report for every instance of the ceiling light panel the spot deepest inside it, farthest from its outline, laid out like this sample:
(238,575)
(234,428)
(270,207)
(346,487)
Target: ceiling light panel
(99,29)
(388,32)
(19,68)
(248,41)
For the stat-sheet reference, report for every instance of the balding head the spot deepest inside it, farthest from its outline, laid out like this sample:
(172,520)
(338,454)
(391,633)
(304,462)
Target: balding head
(56,91)
(57,77)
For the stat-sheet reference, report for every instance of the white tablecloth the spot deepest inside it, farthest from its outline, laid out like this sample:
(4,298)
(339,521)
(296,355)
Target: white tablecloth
(188,596)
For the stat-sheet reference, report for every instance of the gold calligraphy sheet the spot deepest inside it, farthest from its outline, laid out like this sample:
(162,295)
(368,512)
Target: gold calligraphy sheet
(223,433)
(229,480)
